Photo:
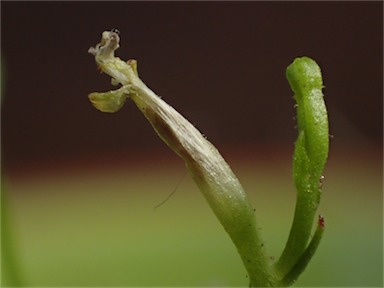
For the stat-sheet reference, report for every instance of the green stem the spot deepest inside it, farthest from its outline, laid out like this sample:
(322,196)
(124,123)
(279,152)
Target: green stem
(207,167)
(291,277)
(213,175)
(311,151)
(215,179)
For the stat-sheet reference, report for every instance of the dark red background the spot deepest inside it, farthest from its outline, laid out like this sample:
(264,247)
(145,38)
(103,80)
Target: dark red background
(221,64)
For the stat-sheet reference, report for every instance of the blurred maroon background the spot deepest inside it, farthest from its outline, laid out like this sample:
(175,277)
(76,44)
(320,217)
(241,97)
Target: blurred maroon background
(221,64)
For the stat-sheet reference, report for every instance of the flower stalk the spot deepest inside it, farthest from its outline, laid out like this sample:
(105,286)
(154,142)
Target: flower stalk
(211,173)
(310,156)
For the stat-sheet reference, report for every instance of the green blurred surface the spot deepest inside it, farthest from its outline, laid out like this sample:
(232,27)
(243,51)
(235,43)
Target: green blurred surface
(95,225)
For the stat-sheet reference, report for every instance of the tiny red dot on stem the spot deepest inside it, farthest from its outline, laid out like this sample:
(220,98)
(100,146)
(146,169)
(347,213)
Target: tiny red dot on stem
(321,221)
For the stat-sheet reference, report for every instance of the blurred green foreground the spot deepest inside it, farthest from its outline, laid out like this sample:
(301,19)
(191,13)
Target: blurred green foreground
(95,225)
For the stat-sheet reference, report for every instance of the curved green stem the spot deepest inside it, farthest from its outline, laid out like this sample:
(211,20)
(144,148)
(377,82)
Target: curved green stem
(215,179)
(213,175)
(291,277)
(310,155)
